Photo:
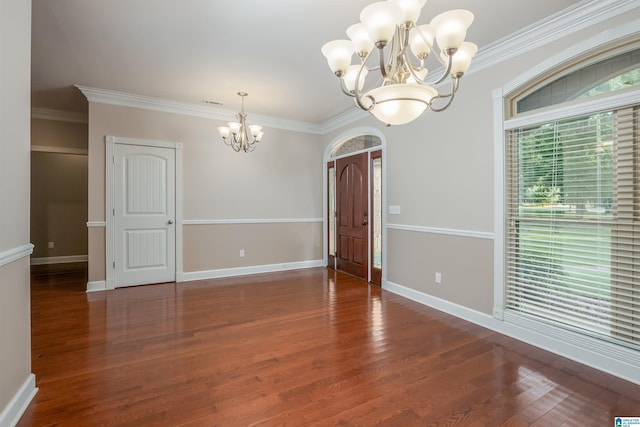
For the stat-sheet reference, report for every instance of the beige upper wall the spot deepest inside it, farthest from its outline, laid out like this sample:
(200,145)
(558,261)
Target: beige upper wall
(58,188)
(58,204)
(15,324)
(440,171)
(280,179)
(440,167)
(14,122)
(55,133)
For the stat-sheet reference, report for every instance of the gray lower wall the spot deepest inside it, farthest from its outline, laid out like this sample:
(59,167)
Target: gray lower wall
(465,265)
(213,247)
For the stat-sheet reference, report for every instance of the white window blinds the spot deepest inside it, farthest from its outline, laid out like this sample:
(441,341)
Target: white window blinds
(573,225)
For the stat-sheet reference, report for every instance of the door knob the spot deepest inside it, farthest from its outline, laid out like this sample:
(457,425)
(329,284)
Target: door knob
(170,221)
(364,222)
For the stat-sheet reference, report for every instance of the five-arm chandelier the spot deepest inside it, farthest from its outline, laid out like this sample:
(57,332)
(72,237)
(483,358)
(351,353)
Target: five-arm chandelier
(402,93)
(236,135)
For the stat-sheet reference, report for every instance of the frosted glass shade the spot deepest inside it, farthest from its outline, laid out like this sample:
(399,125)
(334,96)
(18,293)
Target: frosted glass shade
(450,28)
(259,136)
(462,58)
(224,131)
(409,10)
(234,127)
(255,129)
(380,19)
(418,46)
(338,54)
(360,40)
(400,103)
(352,74)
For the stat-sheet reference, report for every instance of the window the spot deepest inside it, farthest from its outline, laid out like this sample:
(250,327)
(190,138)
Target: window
(572,229)
(376,183)
(332,211)
(356,144)
(611,74)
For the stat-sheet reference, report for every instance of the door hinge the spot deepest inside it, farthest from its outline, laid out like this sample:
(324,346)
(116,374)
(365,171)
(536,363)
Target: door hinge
(114,212)
(114,265)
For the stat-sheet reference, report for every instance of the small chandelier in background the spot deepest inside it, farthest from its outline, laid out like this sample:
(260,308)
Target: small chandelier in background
(403,92)
(236,135)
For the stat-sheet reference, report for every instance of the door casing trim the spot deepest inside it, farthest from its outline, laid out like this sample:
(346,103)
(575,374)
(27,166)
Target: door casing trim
(352,133)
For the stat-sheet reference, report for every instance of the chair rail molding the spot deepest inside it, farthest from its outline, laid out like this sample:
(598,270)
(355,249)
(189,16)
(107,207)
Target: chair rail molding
(15,254)
(250,221)
(445,231)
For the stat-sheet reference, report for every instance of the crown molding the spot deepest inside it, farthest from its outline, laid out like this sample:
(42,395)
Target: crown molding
(343,119)
(59,115)
(103,96)
(555,27)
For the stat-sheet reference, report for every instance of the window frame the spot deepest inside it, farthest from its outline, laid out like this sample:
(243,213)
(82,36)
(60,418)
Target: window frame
(606,356)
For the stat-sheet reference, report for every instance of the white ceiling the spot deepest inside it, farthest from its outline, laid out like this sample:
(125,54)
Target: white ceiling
(190,50)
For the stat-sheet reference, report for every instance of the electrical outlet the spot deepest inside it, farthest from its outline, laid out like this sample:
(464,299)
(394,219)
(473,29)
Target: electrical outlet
(50,245)
(438,278)
(241,253)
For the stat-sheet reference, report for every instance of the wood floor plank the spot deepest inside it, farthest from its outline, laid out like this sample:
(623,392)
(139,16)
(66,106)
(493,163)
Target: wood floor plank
(307,347)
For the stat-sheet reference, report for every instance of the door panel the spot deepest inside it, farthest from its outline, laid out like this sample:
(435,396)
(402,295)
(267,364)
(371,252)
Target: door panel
(352,202)
(376,217)
(144,212)
(331,214)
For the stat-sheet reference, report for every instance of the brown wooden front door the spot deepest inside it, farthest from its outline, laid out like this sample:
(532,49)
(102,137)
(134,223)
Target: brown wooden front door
(352,201)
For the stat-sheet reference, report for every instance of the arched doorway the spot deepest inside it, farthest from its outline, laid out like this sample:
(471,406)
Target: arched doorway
(354,232)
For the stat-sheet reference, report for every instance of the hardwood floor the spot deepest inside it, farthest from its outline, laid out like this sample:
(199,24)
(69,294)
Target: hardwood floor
(307,347)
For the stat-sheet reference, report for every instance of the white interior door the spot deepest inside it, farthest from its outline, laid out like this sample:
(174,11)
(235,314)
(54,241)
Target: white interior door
(144,215)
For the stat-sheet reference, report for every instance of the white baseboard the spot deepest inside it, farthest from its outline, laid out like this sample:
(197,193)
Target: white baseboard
(59,259)
(577,353)
(242,271)
(97,286)
(11,414)
(224,272)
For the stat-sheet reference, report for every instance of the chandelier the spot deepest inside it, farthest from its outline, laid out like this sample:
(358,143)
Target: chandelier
(402,92)
(236,135)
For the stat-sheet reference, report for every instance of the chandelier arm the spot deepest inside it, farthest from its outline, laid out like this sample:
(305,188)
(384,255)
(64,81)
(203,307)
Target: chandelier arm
(344,89)
(454,88)
(431,49)
(382,66)
(243,125)
(446,72)
(356,86)
(412,69)
(397,47)
(356,89)
(361,105)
